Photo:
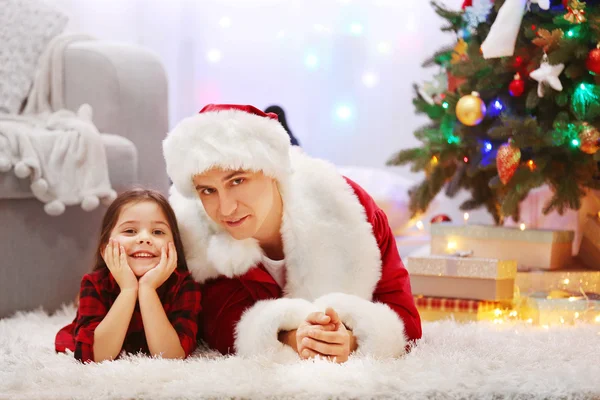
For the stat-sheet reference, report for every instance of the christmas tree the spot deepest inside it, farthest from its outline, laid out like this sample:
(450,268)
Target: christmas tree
(516,105)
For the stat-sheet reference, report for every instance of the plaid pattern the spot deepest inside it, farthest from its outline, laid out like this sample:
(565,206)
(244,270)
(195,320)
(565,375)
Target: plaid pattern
(452,305)
(180,296)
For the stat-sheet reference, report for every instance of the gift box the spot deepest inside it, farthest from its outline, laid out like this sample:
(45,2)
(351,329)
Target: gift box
(544,309)
(575,279)
(541,249)
(469,278)
(461,310)
(531,215)
(589,250)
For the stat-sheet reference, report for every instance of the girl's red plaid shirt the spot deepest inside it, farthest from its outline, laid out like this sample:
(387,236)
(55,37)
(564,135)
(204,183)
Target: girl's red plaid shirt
(180,296)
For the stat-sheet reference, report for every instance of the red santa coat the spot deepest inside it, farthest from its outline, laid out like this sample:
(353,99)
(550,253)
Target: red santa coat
(339,250)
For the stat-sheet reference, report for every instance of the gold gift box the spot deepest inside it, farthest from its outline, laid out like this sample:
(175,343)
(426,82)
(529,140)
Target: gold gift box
(543,249)
(462,277)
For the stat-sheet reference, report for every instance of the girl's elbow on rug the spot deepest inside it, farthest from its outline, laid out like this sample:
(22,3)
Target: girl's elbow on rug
(171,354)
(103,355)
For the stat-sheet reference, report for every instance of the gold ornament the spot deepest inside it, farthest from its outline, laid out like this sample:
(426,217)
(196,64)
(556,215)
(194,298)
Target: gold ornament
(460,52)
(470,109)
(589,138)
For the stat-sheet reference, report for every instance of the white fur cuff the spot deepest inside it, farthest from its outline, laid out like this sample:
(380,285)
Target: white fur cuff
(377,328)
(256,333)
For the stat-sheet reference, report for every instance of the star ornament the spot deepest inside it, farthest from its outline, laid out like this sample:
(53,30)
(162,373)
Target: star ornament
(549,74)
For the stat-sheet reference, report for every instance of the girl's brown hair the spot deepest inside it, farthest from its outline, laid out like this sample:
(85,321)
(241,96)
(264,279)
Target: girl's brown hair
(136,196)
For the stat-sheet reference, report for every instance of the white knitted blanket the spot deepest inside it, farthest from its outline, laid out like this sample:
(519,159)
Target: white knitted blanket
(60,151)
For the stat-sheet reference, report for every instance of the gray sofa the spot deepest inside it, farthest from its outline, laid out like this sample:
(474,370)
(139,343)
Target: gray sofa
(42,258)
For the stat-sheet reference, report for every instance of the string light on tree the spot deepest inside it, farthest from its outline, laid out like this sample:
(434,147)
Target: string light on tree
(585,95)
(470,109)
(495,108)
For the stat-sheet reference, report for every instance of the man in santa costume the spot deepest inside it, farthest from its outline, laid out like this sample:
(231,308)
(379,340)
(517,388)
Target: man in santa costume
(296,260)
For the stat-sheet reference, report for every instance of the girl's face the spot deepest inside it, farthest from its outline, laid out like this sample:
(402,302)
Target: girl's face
(142,229)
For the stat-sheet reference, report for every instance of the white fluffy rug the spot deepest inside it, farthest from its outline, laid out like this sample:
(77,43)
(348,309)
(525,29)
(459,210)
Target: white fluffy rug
(453,361)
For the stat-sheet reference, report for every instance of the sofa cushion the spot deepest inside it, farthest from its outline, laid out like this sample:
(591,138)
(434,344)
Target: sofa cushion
(122,160)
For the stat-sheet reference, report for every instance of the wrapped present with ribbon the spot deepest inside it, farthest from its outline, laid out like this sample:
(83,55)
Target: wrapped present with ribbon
(589,250)
(531,248)
(460,310)
(457,276)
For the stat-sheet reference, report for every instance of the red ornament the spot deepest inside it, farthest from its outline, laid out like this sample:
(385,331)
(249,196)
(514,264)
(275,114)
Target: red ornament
(565,3)
(592,63)
(507,161)
(467,3)
(517,86)
(440,218)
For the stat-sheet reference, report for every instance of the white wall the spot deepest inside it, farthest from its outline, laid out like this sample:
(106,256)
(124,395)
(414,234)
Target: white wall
(263,61)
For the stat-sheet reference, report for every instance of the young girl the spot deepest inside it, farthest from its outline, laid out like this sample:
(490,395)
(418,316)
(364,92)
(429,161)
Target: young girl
(140,295)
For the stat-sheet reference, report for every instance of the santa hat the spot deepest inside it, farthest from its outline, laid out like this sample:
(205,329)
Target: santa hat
(228,136)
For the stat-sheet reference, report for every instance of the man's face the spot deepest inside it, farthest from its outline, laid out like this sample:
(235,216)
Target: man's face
(239,201)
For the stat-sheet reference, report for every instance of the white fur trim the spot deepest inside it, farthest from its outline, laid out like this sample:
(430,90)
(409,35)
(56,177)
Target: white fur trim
(257,330)
(231,255)
(378,329)
(230,140)
(328,243)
